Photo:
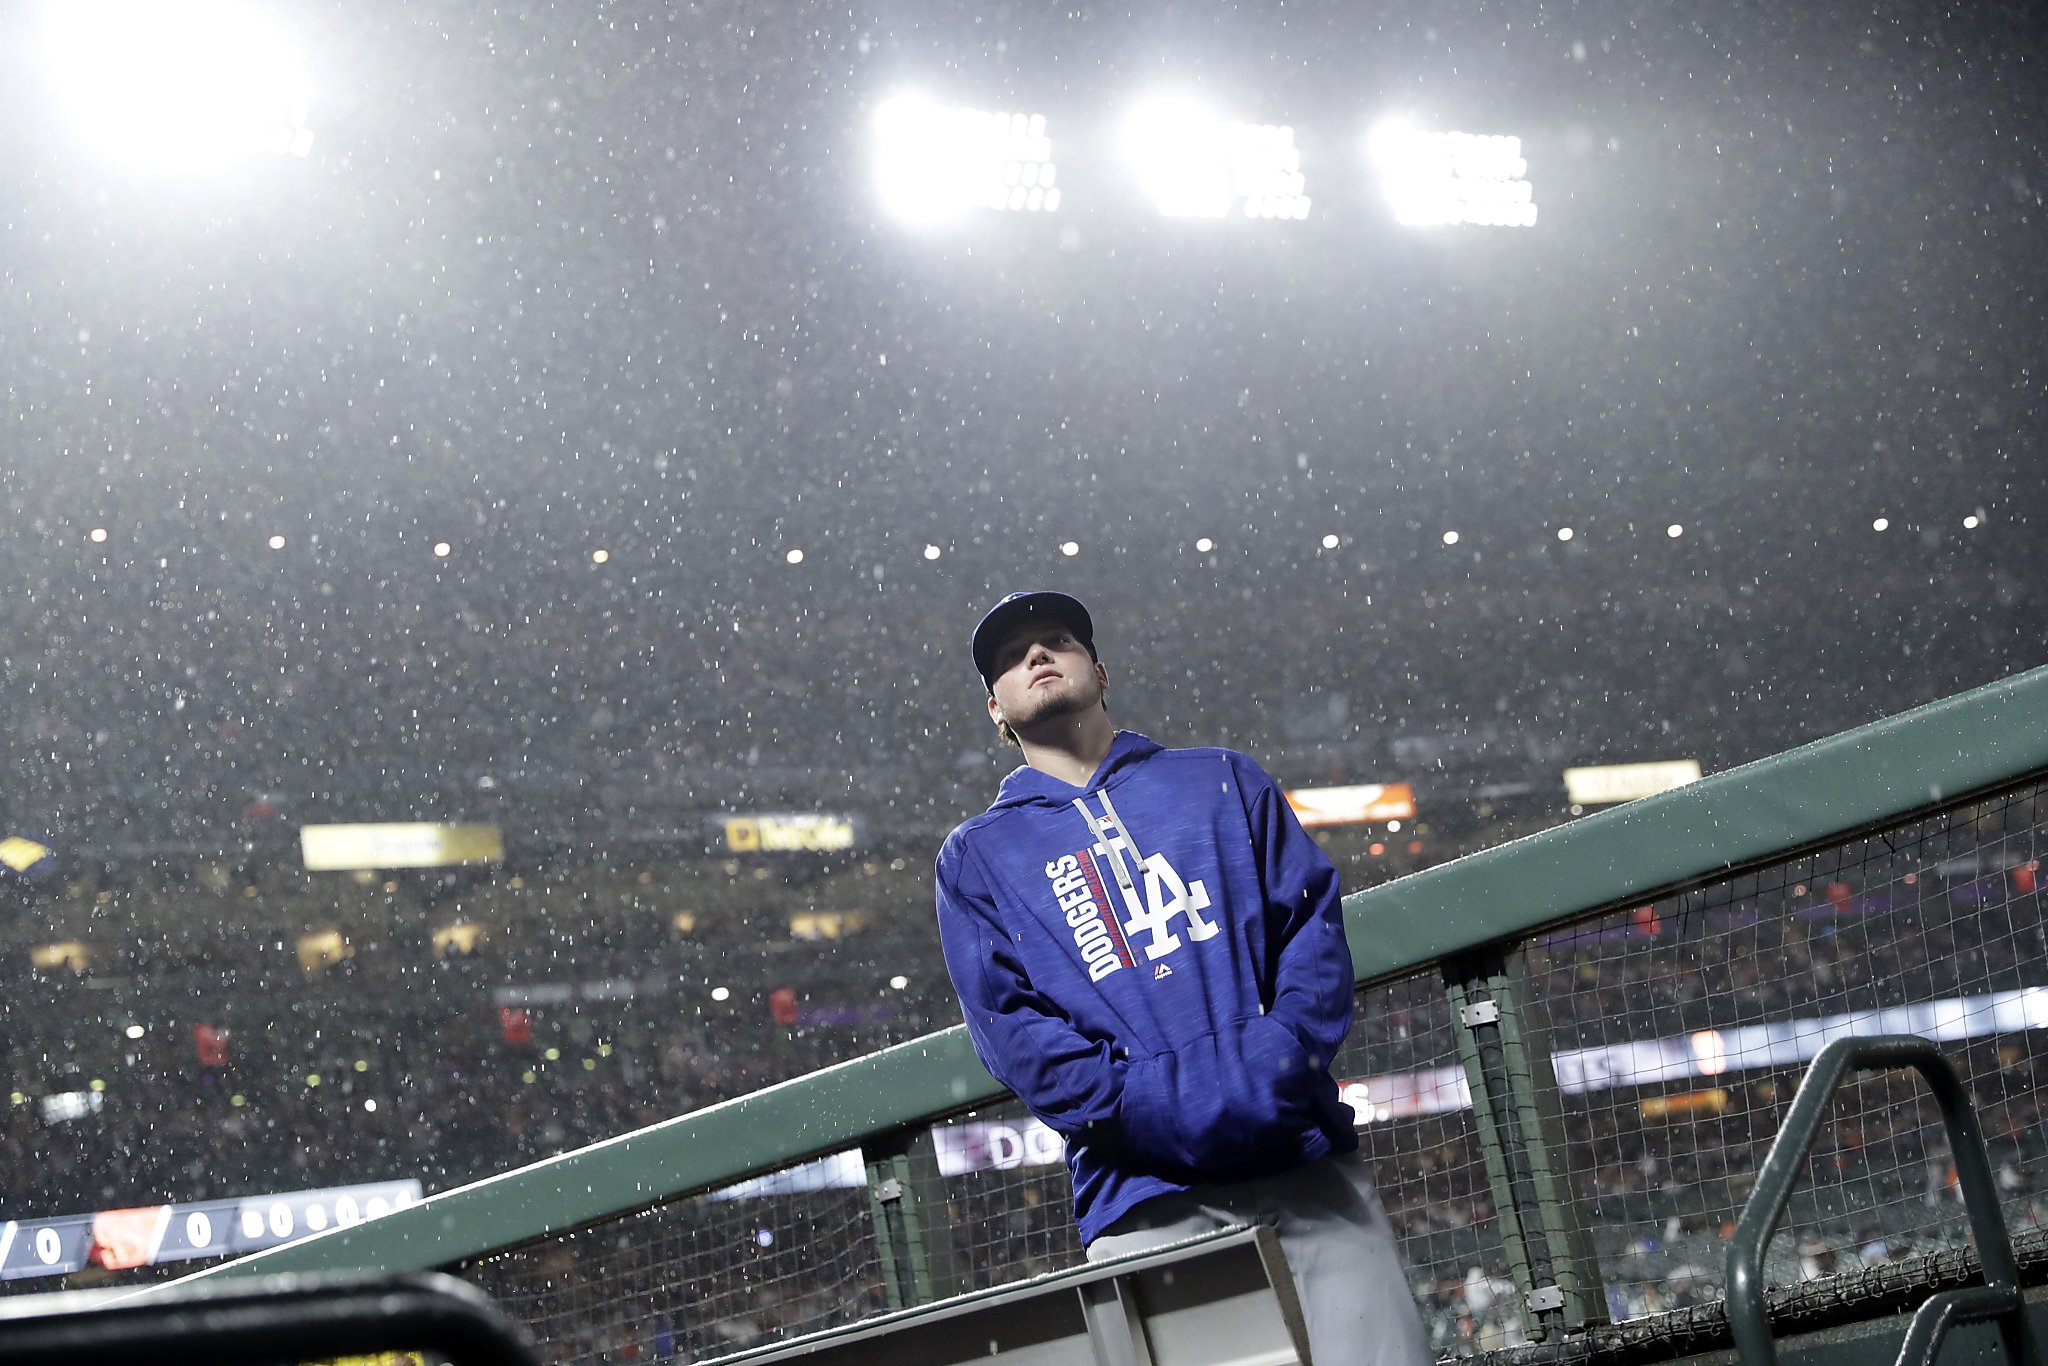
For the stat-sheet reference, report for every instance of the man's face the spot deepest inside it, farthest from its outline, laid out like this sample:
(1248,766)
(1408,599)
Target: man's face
(1042,672)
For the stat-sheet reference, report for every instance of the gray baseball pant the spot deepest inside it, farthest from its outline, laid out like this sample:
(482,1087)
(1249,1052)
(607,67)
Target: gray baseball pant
(1347,1271)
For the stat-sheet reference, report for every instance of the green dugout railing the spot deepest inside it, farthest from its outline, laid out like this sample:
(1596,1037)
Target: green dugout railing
(1461,919)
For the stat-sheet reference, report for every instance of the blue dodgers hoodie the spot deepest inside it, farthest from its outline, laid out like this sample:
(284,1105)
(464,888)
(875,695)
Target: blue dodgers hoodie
(1155,963)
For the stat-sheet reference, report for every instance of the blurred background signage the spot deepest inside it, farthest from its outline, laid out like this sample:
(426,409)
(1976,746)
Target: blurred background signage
(788,833)
(153,1234)
(1609,783)
(1355,805)
(349,848)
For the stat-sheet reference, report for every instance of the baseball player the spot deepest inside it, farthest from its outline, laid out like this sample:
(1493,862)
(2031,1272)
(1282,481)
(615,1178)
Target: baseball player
(1150,952)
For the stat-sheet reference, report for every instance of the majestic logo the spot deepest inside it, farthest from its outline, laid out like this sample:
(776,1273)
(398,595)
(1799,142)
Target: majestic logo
(1077,886)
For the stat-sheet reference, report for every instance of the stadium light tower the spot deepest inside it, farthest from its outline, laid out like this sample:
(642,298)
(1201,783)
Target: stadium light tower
(936,162)
(1192,163)
(178,87)
(1436,179)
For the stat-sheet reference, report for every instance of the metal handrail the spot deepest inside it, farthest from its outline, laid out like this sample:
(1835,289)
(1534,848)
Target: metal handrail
(1998,1300)
(259,1323)
(1971,1304)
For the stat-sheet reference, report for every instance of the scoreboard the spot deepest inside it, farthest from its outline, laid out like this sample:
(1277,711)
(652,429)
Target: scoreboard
(152,1234)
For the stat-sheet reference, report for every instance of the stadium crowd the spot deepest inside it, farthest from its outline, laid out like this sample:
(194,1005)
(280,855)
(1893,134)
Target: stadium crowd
(148,710)
(169,733)
(585,1001)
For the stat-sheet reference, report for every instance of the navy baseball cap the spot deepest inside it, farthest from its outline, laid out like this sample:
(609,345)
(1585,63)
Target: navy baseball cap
(1019,609)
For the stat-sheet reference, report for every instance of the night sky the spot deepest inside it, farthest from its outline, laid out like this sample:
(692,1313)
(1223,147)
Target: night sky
(556,279)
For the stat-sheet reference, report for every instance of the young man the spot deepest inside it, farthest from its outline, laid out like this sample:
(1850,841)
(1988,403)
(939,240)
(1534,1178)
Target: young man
(1150,952)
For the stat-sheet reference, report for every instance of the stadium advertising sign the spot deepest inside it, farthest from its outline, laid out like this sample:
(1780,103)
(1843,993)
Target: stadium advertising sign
(788,833)
(1403,1095)
(999,1146)
(840,1171)
(1609,783)
(1356,805)
(1711,1053)
(367,848)
(977,1146)
(1793,1043)
(117,1239)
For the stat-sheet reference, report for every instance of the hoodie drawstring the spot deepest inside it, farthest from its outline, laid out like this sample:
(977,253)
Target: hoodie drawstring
(1100,829)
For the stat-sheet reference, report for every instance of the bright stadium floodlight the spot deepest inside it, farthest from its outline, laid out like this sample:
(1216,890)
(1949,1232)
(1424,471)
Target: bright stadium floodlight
(1436,179)
(1195,164)
(1175,146)
(935,162)
(178,88)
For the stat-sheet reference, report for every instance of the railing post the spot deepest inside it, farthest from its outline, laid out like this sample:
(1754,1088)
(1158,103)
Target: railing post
(1521,1132)
(907,1201)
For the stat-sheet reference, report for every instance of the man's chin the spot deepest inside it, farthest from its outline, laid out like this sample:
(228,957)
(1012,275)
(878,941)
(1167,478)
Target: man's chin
(1049,712)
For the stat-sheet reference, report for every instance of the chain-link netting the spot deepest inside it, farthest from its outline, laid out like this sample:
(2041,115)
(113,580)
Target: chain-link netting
(1677,1033)
(701,1277)
(797,1251)
(1401,1075)
(1680,1030)
(1009,1207)
(1008,1204)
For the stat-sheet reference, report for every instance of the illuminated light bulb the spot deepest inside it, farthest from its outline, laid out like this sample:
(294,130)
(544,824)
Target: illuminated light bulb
(1437,179)
(1194,164)
(179,88)
(934,162)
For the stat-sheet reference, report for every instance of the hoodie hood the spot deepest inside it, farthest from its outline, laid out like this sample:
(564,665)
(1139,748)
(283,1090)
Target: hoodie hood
(1027,786)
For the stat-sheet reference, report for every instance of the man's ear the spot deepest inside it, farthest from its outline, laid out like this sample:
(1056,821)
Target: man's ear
(995,710)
